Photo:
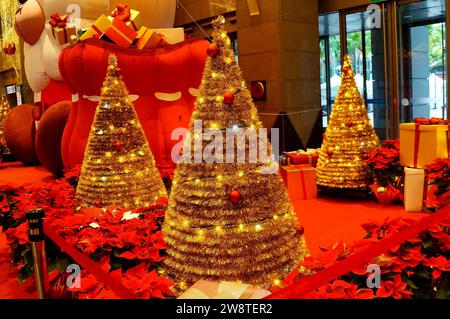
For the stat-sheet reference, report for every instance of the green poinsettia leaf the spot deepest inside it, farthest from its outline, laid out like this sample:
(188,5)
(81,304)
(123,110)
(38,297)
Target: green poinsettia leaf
(427,243)
(410,283)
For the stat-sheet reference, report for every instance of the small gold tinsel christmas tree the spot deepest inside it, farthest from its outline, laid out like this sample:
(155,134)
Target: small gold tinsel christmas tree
(228,221)
(4,110)
(118,167)
(349,138)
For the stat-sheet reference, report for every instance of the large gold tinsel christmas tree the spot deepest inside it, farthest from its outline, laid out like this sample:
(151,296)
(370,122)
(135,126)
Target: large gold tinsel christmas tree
(228,220)
(118,167)
(349,138)
(4,110)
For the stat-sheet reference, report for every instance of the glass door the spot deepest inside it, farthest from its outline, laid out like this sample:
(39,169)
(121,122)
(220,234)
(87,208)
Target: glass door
(422,60)
(330,62)
(366,43)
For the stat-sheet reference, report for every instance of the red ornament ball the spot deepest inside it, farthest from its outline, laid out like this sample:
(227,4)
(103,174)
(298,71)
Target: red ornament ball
(349,124)
(212,50)
(300,230)
(329,153)
(98,203)
(228,98)
(235,196)
(118,145)
(346,70)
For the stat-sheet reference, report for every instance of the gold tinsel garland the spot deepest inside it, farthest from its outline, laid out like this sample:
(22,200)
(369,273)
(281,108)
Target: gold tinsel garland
(4,110)
(8,10)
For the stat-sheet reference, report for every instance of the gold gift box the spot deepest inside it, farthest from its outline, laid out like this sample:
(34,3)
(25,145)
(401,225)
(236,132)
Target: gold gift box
(433,144)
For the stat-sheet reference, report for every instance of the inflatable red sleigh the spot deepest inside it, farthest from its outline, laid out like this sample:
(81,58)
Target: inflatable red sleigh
(162,83)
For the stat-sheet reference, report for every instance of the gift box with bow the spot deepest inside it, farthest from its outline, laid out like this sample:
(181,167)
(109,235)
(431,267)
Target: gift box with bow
(61,30)
(223,290)
(300,181)
(132,18)
(310,156)
(97,29)
(148,39)
(423,141)
(120,33)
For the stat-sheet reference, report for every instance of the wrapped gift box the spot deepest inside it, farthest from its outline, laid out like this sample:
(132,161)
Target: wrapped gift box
(420,145)
(120,33)
(97,29)
(414,189)
(132,18)
(300,181)
(172,35)
(147,39)
(62,31)
(223,290)
(65,35)
(309,156)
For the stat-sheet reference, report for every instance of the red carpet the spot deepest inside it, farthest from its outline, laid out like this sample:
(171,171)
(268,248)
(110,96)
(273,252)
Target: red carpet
(326,221)
(18,174)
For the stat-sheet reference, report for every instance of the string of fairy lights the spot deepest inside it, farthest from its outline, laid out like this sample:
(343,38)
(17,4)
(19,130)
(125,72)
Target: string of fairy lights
(118,168)
(217,210)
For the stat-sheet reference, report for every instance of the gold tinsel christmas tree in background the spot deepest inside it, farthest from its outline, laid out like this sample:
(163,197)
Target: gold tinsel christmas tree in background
(4,110)
(118,167)
(8,36)
(349,138)
(228,221)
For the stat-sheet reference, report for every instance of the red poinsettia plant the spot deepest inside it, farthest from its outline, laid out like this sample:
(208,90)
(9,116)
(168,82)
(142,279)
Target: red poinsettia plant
(128,243)
(385,173)
(438,183)
(419,268)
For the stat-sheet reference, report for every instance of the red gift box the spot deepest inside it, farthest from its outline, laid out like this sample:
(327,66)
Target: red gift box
(120,33)
(299,158)
(300,181)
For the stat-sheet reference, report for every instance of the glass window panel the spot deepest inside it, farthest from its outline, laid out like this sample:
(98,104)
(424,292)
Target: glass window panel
(330,62)
(422,64)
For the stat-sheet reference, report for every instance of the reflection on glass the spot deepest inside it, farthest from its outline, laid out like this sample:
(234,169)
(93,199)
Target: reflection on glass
(366,46)
(423,73)
(330,62)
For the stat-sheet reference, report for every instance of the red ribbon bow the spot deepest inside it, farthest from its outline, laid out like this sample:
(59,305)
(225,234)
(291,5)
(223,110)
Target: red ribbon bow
(432,121)
(122,12)
(57,21)
(10,49)
(424,121)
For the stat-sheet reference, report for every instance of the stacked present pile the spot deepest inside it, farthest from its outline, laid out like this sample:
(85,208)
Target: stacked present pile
(421,144)
(299,173)
(122,27)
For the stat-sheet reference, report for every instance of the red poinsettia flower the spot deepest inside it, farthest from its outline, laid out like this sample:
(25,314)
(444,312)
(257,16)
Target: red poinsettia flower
(146,284)
(8,188)
(393,289)
(17,235)
(441,263)
(340,289)
(4,205)
(326,258)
